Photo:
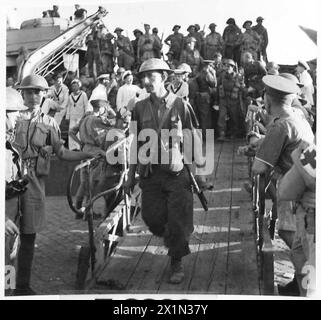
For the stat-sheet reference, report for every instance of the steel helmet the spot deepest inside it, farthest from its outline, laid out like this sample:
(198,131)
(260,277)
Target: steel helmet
(185,67)
(14,101)
(154,64)
(34,81)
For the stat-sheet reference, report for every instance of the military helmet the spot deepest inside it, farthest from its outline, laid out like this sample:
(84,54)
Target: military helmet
(34,81)
(14,101)
(230,21)
(176,26)
(118,29)
(154,64)
(246,22)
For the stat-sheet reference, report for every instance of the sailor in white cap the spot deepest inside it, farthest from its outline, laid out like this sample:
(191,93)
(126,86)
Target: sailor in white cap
(100,92)
(76,108)
(127,91)
(179,86)
(305,78)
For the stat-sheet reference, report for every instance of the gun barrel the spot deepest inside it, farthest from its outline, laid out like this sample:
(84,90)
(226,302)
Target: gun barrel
(199,193)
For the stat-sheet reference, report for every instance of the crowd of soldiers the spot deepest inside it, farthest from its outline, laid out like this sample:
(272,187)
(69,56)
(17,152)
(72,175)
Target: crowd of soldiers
(105,48)
(210,82)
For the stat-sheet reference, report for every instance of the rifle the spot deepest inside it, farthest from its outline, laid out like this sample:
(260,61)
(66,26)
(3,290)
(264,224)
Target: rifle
(198,191)
(162,53)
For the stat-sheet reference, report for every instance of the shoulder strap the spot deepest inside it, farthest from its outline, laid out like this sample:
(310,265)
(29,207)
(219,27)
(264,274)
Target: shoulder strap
(159,124)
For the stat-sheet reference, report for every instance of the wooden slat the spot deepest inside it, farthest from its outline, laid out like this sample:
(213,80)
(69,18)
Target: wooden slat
(217,272)
(195,242)
(242,271)
(125,258)
(222,244)
(150,271)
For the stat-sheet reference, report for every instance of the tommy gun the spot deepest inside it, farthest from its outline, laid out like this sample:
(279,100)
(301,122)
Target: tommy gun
(197,189)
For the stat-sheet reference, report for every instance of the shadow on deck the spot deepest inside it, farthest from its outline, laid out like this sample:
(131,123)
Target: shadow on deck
(223,257)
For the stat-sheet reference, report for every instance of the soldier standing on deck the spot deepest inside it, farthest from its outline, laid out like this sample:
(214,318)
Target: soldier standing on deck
(253,74)
(218,64)
(206,83)
(231,37)
(175,42)
(107,50)
(193,34)
(213,43)
(250,41)
(262,32)
(37,137)
(125,51)
(230,88)
(137,33)
(167,199)
(191,56)
(93,52)
(157,44)
(146,45)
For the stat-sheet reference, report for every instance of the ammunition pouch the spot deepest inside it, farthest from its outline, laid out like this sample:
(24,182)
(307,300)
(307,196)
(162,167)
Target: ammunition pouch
(43,161)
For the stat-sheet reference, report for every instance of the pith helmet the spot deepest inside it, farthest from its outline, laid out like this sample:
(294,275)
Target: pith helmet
(14,101)
(33,81)
(154,64)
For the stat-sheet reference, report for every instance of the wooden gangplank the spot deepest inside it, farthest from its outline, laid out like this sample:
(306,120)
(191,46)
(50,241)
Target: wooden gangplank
(223,256)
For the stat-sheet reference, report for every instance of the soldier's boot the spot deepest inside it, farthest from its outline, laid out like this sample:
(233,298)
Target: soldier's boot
(177,271)
(290,289)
